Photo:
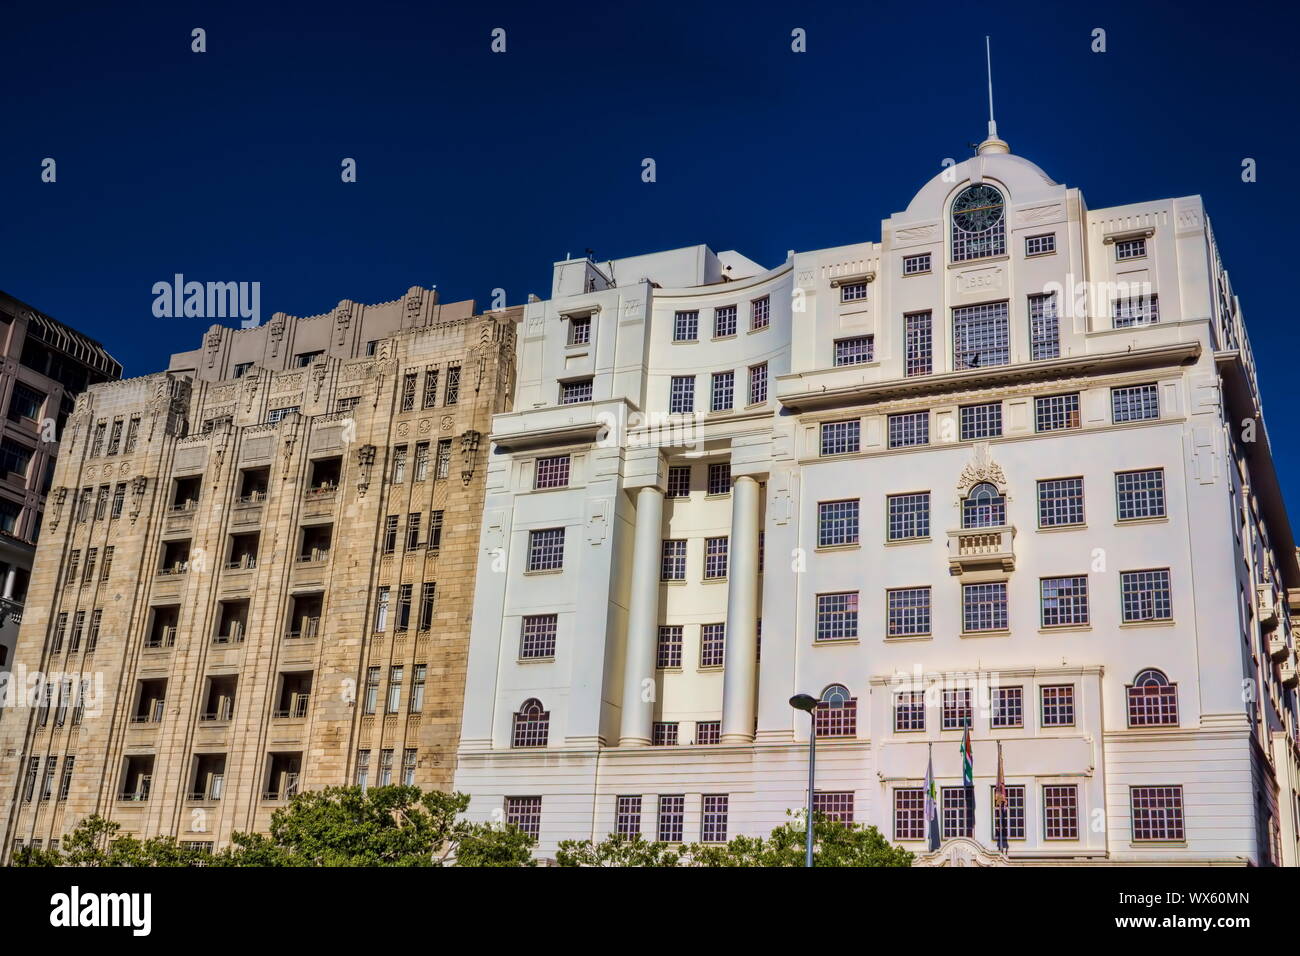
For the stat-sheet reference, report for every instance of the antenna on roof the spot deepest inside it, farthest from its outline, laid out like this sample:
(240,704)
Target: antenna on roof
(988,64)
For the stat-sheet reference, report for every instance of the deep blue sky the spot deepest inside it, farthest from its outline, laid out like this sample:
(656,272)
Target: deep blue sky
(478,170)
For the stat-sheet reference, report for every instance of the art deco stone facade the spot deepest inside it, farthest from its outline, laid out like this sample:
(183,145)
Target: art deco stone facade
(261,560)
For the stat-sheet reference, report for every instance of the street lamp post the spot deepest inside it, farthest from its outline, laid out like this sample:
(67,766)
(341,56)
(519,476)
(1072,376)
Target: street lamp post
(807,703)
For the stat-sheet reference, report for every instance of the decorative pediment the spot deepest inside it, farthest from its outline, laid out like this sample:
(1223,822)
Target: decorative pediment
(980,469)
(962,851)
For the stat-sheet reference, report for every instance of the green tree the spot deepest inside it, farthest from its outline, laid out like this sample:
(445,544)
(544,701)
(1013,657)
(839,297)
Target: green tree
(835,844)
(337,826)
(616,850)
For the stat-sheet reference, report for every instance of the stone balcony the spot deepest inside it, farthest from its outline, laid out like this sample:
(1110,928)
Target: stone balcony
(981,549)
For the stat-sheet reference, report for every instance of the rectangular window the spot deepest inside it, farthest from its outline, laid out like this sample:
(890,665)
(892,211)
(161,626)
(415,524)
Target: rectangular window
(919,344)
(915,265)
(957,710)
(428,596)
(416,704)
(724,321)
(1065,601)
(627,816)
(421,461)
(909,612)
(686,326)
(579,329)
(381,608)
(435,530)
(408,390)
(841,438)
(1157,813)
(430,388)
(399,464)
(672,565)
(837,616)
(909,516)
(1061,812)
(954,813)
(981,421)
(347,404)
(274,416)
(909,813)
(65,785)
(668,653)
(708,732)
(715,558)
(979,336)
(92,557)
(1044,327)
(1140,494)
(97,440)
(1057,705)
(713,643)
(758,384)
(1136,310)
(552,472)
(854,351)
(371,698)
(663,734)
(909,429)
(672,815)
(837,523)
(1012,817)
(413,530)
(537,638)
(395,676)
(390,534)
(834,806)
(853,292)
(119,499)
(132,431)
(723,392)
(115,436)
(1146,596)
(1130,249)
(575,393)
(1040,245)
(679,481)
(1060,502)
(1007,707)
(451,395)
(681,394)
(1137,403)
(404,595)
(546,550)
(25,403)
(984,607)
(442,466)
(713,821)
(408,766)
(759,313)
(525,813)
(909,711)
(1056,412)
(720,478)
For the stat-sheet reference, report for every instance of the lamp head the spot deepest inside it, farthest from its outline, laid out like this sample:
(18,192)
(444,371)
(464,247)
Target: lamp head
(803,702)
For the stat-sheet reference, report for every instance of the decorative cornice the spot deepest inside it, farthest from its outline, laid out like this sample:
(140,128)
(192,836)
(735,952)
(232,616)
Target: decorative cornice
(874,393)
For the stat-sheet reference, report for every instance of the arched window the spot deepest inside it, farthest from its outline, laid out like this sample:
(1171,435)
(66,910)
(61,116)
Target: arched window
(532,724)
(1152,700)
(836,714)
(984,507)
(979,223)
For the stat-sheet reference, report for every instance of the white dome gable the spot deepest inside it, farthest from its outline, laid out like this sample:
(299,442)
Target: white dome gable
(1021,181)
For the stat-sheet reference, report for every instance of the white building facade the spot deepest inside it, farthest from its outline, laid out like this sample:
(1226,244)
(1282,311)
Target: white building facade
(1004,469)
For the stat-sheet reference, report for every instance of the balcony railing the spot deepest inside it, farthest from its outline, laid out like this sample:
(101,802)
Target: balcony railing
(222,712)
(296,710)
(307,630)
(315,556)
(971,549)
(153,715)
(252,498)
(235,635)
(176,567)
(241,562)
(165,638)
(319,492)
(287,792)
(139,794)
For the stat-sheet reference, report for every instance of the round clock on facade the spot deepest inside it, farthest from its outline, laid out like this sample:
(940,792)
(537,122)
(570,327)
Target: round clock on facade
(977,208)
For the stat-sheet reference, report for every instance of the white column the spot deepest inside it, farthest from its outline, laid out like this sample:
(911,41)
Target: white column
(642,620)
(738,681)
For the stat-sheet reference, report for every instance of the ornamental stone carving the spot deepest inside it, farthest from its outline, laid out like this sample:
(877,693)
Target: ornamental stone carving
(980,469)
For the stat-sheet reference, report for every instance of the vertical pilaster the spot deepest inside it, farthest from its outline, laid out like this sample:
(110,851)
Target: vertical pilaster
(643,619)
(738,683)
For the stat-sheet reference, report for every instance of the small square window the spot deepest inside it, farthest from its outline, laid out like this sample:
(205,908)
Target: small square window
(981,421)
(686,326)
(854,351)
(1136,403)
(1040,245)
(1130,249)
(1057,702)
(915,265)
(841,438)
(724,321)
(853,292)
(909,429)
(574,393)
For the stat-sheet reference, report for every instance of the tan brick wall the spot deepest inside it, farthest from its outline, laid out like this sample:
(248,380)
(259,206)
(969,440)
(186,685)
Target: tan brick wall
(334,729)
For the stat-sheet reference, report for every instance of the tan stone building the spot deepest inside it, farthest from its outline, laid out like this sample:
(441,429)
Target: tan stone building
(259,565)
